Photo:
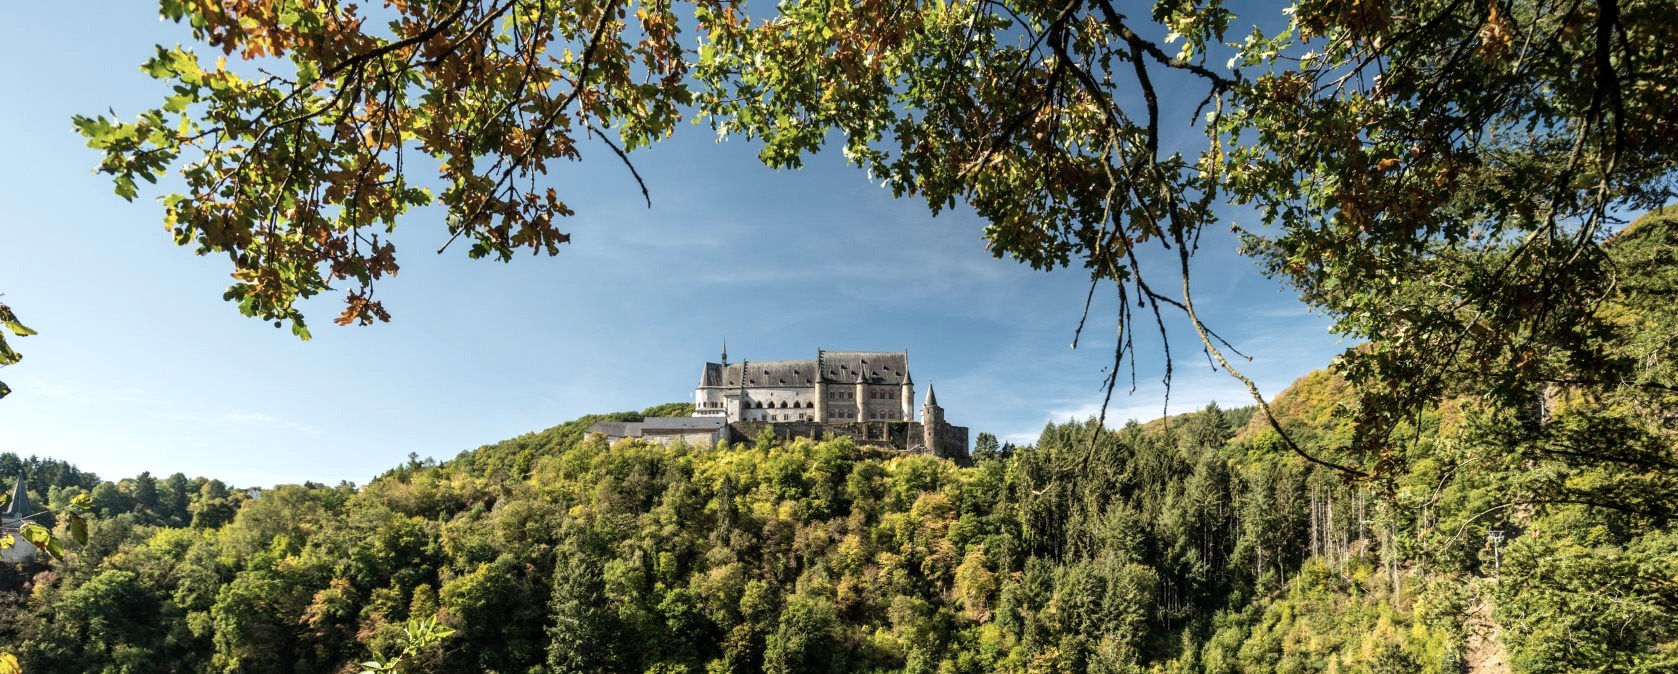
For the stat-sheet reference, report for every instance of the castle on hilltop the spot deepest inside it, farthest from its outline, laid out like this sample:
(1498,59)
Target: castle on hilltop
(836,387)
(865,395)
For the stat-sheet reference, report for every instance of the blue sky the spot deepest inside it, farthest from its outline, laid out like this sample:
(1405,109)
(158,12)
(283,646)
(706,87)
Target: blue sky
(141,366)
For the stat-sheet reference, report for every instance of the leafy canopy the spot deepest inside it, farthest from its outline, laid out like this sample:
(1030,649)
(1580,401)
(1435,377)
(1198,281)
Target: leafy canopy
(1436,175)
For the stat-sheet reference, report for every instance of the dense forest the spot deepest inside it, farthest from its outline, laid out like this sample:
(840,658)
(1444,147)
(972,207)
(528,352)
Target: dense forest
(1502,530)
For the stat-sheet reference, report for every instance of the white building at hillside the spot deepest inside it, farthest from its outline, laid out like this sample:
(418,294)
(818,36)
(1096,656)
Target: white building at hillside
(835,387)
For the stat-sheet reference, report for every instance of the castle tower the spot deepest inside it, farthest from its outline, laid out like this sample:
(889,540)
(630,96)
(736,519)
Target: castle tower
(861,396)
(932,416)
(821,389)
(906,396)
(744,404)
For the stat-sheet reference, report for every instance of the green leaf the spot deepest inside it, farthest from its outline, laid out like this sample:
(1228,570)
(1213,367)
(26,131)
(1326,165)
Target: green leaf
(125,188)
(177,102)
(41,538)
(11,322)
(78,529)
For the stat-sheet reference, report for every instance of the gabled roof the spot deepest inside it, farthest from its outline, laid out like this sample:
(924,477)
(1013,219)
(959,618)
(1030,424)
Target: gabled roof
(760,373)
(712,375)
(682,423)
(890,368)
(780,373)
(617,429)
(874,367)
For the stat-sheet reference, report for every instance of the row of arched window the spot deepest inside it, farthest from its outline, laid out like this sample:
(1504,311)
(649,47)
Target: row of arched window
(785,417)
(759,404)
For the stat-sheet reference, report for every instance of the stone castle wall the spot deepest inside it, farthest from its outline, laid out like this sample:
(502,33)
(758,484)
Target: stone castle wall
(952,441)
(900,435)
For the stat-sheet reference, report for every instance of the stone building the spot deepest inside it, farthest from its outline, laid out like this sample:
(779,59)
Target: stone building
(11,519)
(864,395)
(695,431)
(868,396)
(835,387)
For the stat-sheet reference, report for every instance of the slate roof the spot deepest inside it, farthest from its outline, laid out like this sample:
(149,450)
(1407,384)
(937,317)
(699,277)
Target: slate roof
(617,429)
(637,429)
(19,506)
(760,373)
(876,367)
(889,368)
(712,376)
(682,423)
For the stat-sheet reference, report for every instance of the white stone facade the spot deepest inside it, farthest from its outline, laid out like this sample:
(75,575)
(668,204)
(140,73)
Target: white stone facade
(835,387)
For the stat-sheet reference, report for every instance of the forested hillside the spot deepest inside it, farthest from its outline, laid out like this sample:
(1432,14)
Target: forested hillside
(785,558)
(1174,548)
(1524,530)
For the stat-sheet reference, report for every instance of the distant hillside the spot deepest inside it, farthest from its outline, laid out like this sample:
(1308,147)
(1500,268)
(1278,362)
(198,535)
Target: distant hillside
(514,457)
(1313,405)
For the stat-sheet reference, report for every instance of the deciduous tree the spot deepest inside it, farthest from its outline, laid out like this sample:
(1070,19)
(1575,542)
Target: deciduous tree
(1436,175)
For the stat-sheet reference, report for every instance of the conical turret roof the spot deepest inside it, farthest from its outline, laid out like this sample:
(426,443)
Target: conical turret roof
(19,506)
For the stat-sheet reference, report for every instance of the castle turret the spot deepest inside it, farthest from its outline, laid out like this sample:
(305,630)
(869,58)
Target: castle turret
(861,396)
(906,396)
(744,403)
(821,388)
(932,416)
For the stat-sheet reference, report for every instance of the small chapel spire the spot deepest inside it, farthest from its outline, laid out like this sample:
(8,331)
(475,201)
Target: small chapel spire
(725,351)
(18,507)
(12,518)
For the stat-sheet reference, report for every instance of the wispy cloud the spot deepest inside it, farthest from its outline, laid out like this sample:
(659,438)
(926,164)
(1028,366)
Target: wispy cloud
(240,419)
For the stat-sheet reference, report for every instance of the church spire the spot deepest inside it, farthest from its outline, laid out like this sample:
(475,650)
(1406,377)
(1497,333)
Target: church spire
(725,351)
(19,506)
